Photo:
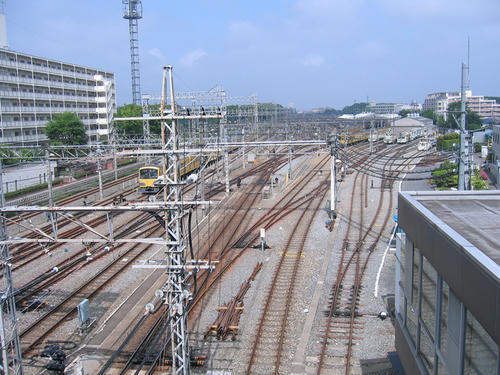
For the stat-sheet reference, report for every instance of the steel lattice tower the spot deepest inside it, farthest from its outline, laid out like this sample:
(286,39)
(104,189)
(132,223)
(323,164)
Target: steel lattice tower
(132,11)
(10,351)
(176,289)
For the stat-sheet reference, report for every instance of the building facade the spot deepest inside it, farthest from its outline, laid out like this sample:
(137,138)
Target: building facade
(485,108)
(438,102)
(390,108)
(34,89)
(447,290)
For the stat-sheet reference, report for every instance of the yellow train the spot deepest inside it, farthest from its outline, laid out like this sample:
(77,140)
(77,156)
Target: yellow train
(149,174)
(189,164)
(353,138)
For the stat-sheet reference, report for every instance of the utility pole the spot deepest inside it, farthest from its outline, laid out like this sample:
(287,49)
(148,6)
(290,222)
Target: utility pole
(243,147)
(463,167)
(99,175)
(371,137)
(145,124)
(11,357)
(49,177)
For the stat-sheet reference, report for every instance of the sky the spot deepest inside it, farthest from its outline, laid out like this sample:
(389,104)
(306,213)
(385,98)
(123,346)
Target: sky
(304,53)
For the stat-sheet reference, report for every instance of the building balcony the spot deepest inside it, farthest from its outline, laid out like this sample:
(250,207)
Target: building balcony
(100,99)
(101,110)
(32,138)
(23,124)
(101,121)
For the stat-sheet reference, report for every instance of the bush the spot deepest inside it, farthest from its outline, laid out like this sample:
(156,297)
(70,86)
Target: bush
(445,142)
(446,176)
(121,163)
(31,189)
(477,146)
(80,174)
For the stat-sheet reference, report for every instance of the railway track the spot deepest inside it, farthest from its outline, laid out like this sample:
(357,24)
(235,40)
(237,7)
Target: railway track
(343,328)
(218,249)
(270,343)
(52,319)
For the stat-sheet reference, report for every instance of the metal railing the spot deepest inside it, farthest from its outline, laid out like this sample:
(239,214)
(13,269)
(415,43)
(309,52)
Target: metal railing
(74,187)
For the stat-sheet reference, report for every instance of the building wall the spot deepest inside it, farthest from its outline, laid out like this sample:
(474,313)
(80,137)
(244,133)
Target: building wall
(34,89)
(443,325)
(485,108)
(438,330)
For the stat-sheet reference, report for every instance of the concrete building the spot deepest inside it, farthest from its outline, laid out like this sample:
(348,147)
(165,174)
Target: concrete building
(34,89)
(389,108)
(419,126)
(438,102)
(447,284)
(485,108)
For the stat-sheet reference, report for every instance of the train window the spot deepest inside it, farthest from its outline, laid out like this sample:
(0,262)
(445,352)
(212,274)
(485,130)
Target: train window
(149,173)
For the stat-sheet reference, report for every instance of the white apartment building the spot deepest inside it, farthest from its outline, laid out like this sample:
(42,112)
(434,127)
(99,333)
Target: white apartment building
(485,108)
(390,108)
(34,89)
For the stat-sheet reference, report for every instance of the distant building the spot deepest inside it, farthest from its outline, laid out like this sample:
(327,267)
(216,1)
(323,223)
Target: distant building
(34,89)
(485,108)
(447,282)
(418,126)
(390,108)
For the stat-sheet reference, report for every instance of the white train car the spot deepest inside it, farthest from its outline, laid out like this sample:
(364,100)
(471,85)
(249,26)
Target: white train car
(424,145)
(389,138)
(374,136)
(403,137)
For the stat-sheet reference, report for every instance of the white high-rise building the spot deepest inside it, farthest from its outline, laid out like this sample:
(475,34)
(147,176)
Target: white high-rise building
(34,89)
(485,108)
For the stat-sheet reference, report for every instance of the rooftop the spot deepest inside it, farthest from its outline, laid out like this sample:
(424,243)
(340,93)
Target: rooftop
(471,219)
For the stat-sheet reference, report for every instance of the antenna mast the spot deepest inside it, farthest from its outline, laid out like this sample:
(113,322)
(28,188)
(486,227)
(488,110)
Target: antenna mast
(132,11)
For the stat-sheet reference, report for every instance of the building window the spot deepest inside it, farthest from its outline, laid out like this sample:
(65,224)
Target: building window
(445,292)
(429,293)
(481,352)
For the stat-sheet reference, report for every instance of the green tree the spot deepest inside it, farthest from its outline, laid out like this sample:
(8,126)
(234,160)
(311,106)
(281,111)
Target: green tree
(446,142)
(436,119)
(429,113)
(473,119)
(404,112)
(355,109)
(67,129)
(129,127)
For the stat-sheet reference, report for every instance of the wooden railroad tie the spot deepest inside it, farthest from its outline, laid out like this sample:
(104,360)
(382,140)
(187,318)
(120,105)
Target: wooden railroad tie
(229,315)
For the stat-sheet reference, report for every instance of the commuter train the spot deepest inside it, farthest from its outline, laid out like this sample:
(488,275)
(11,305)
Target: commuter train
(149,174)
(389,138)
(189,164)
(403,137)
(353,138)
(424,145)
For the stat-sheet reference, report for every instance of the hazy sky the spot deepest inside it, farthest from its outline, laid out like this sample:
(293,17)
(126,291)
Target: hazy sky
(308,53)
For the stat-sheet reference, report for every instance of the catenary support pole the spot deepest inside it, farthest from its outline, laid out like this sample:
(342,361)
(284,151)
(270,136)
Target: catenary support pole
(99,174)
(333,178)
(463,167)
(49,177)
